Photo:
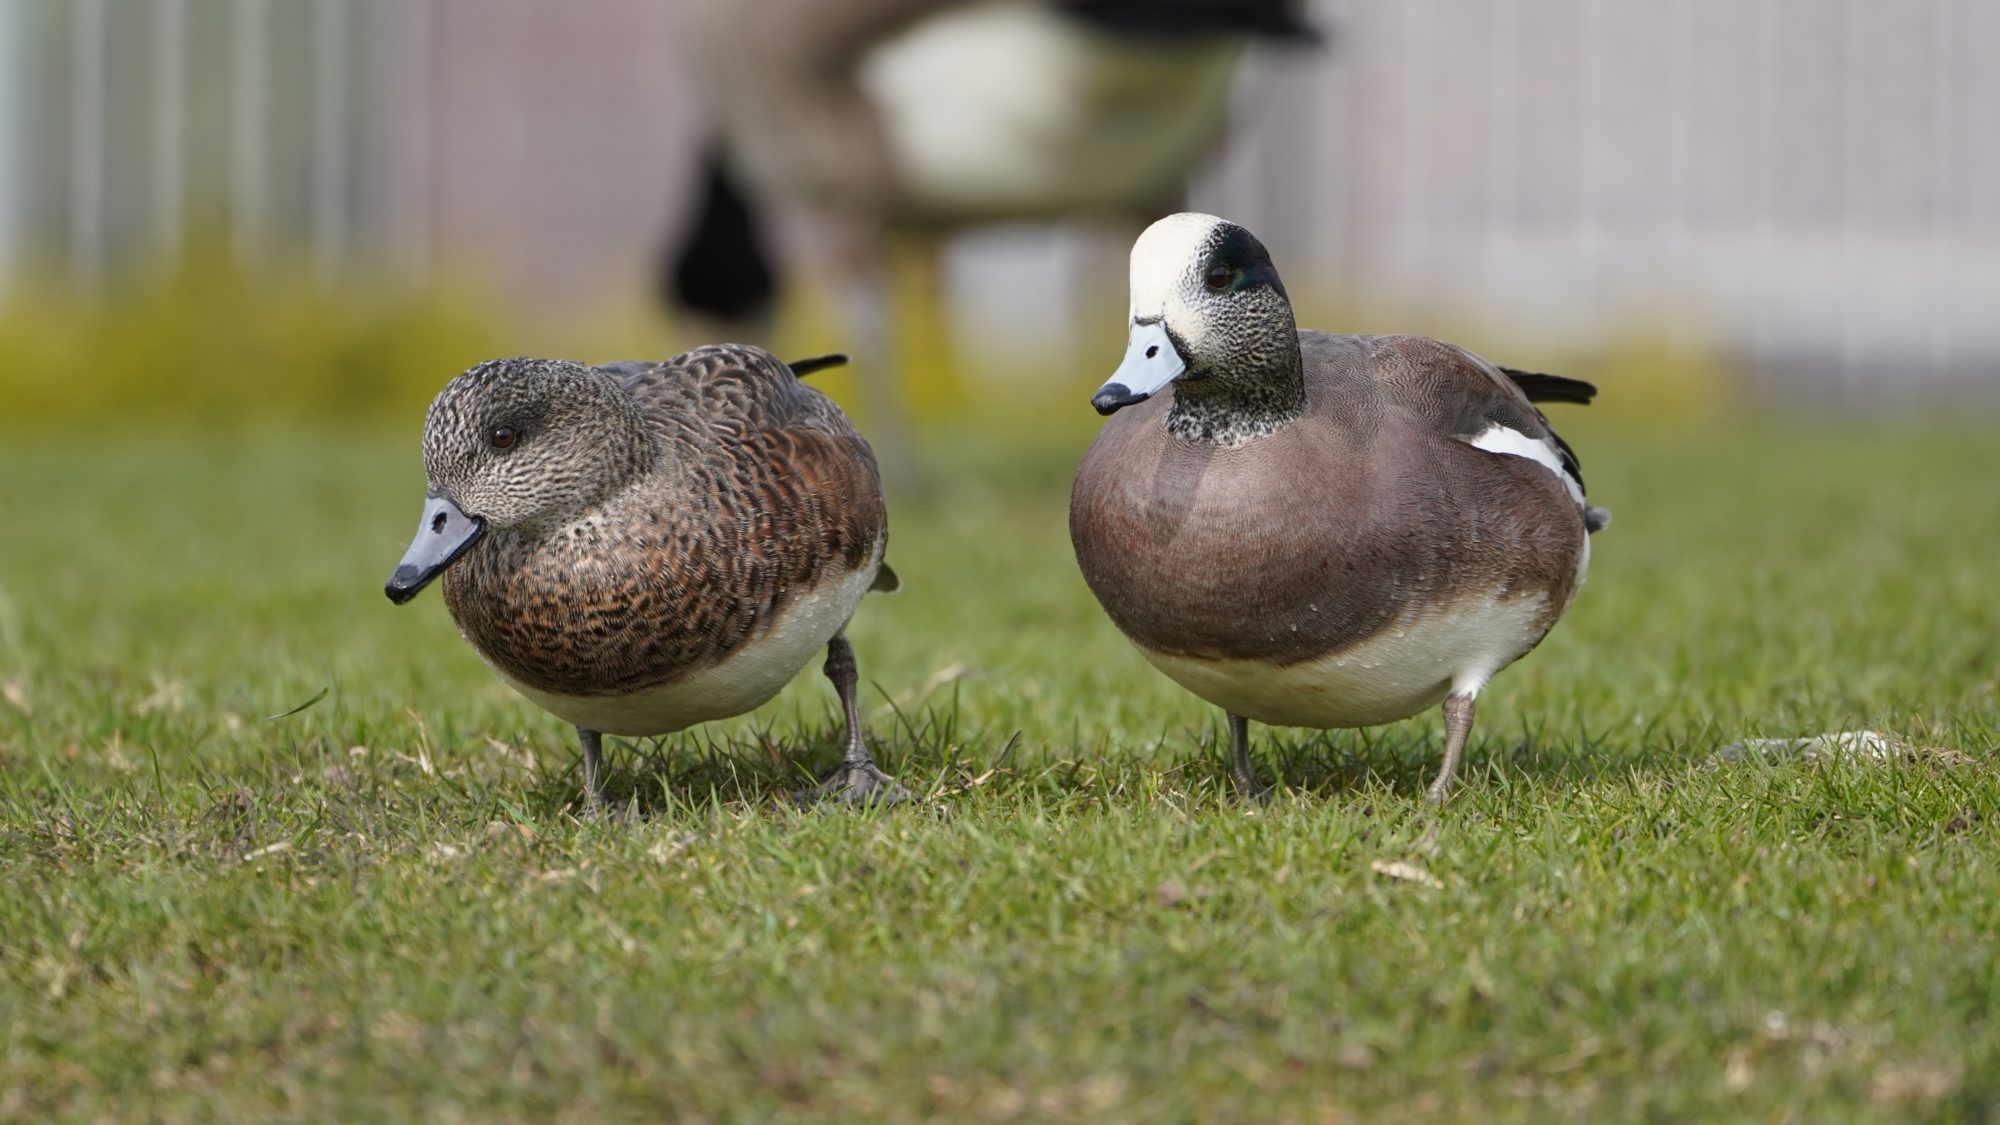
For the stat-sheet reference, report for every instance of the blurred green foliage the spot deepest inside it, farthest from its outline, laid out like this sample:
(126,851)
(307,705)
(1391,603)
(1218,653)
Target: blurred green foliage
(207,341)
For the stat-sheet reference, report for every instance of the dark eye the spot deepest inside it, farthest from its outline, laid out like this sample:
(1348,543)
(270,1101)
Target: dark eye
(503,436)
(1218,277)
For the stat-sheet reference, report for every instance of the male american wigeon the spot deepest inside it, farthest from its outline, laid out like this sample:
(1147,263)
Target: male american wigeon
(1316,530)
(642,547)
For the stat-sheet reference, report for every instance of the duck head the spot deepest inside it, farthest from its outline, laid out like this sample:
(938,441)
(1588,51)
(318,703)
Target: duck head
(1208,311)
(521,445)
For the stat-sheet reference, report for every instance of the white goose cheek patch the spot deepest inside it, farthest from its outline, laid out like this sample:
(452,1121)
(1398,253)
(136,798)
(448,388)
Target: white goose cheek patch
(1497,438)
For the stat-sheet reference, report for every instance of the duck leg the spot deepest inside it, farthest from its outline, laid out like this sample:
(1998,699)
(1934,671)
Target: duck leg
(1246,774)
(593,770)
(1457,727)
(857,781)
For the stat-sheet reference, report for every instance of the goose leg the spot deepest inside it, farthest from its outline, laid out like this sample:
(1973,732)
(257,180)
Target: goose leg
(857,781)
(593,770)
(877,371)
(1457,727)
(1246,774)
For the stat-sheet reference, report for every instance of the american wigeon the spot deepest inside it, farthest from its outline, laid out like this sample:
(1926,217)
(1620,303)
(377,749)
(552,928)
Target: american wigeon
(1316,530)
(642,547)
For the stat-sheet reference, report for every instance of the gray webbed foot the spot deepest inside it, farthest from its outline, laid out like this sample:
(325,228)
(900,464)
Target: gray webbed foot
(1254,792)
(858,783)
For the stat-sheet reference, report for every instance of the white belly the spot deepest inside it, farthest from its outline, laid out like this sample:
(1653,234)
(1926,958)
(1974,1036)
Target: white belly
(1009,109)
(1391,676)
(743,682)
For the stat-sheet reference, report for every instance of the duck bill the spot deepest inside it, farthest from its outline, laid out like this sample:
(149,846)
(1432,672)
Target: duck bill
(1151,362)
(444,534)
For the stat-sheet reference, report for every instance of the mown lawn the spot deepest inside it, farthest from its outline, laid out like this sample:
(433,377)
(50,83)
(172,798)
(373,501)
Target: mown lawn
(384,906)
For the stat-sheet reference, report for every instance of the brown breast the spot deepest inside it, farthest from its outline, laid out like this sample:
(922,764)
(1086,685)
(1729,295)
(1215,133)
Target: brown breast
(763,492)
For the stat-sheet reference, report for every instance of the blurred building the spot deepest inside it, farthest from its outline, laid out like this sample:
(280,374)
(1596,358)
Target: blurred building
(1812,184)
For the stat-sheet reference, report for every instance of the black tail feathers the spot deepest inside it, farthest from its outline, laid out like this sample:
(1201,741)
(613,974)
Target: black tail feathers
(805,367)
(1551,388)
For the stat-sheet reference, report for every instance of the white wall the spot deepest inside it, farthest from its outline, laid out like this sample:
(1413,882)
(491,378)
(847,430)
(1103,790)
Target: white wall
(1815,184)
(13,147)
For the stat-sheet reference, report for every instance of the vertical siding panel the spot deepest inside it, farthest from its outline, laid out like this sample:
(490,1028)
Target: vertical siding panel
(86,170)
(168,142)
(249,96)
(330,132)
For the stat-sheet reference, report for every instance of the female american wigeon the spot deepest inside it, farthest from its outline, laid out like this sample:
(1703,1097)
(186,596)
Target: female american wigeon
(642,547)
(1316,530)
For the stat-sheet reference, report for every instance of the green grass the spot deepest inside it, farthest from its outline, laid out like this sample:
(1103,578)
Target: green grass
(384,905)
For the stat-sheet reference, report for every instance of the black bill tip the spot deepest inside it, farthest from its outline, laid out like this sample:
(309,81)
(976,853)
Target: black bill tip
(1112,397)
(444,534)
(406,583)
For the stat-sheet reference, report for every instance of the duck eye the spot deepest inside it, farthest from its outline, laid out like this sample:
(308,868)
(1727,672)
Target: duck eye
(1218,277)
(503,436)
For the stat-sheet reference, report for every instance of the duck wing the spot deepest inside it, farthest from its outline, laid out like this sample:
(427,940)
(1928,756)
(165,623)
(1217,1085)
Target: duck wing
(1485,405)
(768,447)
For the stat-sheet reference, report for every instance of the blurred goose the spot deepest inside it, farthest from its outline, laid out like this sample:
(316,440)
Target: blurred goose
(641,547)
(1316,530)
(853,117)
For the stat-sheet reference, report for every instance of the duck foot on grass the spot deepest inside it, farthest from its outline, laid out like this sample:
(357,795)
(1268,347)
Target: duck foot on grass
(857,783)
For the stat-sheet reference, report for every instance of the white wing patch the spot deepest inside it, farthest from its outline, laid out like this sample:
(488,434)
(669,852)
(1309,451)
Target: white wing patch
(1497,438)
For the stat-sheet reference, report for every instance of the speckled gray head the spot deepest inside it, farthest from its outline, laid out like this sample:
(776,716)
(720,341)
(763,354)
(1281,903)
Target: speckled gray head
(1208,309)
(524,445)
